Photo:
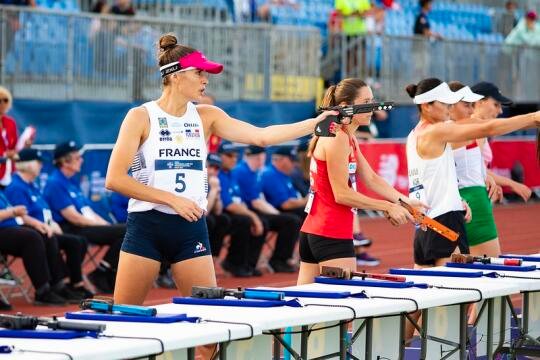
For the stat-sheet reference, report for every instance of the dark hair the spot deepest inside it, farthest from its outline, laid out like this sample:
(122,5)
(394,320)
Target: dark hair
(170,51)
(423,3)
(455,85)
(422,87)
(345,91)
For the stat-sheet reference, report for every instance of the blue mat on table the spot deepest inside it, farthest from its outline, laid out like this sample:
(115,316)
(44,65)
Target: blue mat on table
(236,302)
(159,318)
(47,334)
(369,283)
(464,274)
(491,267)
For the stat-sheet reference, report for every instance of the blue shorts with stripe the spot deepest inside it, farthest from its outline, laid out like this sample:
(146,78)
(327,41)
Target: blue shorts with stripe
(165,237)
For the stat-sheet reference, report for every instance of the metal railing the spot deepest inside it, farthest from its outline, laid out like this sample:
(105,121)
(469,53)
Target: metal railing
(389,63)
(193,10)
(522,4)
(53,55)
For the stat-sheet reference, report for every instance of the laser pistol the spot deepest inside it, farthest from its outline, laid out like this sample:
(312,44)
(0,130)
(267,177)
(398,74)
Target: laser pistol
(202,292)
(108,306)
(24,322)
(327,127)
(469,259)
(339,273)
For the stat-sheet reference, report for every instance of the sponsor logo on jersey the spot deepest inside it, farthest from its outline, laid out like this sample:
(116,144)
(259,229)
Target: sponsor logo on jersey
(199,248)
(193,134)
(165,135)
(191,125)
(162,122)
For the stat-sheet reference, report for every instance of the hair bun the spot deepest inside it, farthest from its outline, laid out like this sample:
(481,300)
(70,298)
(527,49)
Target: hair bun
(411,90)
(167,42)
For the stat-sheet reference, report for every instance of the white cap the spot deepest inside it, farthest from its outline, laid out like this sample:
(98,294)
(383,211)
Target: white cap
(469,95)
(441,93)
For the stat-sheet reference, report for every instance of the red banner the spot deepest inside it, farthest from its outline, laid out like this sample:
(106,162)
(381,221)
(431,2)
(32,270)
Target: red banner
(389,160)
(508,154)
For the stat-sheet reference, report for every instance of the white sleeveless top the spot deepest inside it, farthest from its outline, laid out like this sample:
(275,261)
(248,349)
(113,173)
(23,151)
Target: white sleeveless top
(433,181)
(173,158)
(470,168)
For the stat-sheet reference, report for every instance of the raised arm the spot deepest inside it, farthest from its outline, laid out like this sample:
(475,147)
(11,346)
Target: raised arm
(223,125)
(132,132)
(456,132)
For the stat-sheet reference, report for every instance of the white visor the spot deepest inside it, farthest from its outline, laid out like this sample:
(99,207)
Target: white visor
(468,95)
(441,93)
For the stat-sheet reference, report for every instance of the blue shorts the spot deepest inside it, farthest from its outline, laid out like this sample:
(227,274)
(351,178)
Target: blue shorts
(159,236)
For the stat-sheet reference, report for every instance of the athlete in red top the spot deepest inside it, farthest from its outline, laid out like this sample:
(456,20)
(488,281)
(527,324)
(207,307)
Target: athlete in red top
(336,162)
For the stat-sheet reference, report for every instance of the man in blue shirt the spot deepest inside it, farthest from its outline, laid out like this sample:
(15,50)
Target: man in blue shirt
(23,191)
(277,184)
(39,254)
(247,229)
(421,24)
(71,210)
(287,226)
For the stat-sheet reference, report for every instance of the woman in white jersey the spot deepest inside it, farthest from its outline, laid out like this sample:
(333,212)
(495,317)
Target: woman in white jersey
(431,167)
(489,107)
(164,142)
(472,179)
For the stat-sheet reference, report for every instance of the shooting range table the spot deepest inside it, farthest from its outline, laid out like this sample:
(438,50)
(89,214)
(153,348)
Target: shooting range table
(177,338)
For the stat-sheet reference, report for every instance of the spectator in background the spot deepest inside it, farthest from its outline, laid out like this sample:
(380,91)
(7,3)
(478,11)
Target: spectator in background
(35,251)
(123,7)
(353,14)
(264,10)
(527,32)
(508,20)
(277,184)
(12,21)
(23,191)
(119,204)
(247,229)
(421,24)
(218,223)
(8,138)
(287,226)
(71,210)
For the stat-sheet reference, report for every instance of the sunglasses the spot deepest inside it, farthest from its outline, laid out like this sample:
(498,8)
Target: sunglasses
(4,100)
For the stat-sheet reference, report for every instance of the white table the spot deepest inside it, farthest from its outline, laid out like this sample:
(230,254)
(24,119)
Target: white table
(494,294)
(529,286)
(271,321)
(178,338)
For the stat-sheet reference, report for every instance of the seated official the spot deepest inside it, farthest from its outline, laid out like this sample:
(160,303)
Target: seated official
(24,191)
(247,229)
(287,226)
(71,210)
(277,184)
(39,254)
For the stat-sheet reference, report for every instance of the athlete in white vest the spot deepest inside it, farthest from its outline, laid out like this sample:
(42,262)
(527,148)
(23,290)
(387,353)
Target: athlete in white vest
(471,169)
(431,166)
(432,171)
(163,142)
